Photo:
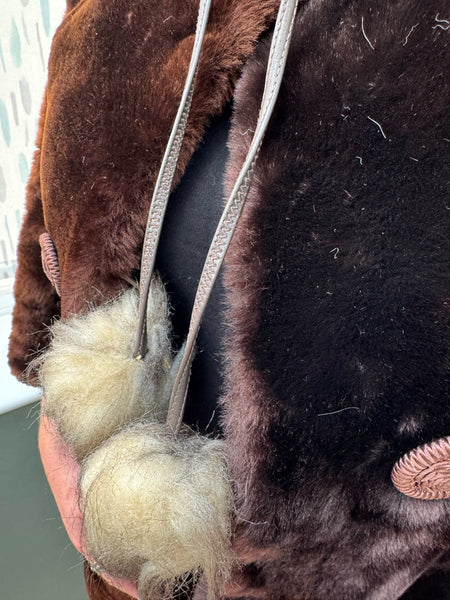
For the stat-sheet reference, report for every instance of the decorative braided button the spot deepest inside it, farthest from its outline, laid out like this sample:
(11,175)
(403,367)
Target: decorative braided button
(425,471)
(50,262)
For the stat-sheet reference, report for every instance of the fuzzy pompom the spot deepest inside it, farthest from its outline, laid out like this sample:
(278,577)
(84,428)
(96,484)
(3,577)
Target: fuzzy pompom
(92,384)
(156,508)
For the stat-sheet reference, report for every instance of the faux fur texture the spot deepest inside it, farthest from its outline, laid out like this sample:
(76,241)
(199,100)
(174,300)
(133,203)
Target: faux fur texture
(92,384)
(337,301)
(155,509)
(36,301)
(116,74)
(158,509)
(338,305)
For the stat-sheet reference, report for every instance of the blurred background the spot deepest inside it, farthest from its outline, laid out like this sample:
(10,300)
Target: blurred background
(37,561)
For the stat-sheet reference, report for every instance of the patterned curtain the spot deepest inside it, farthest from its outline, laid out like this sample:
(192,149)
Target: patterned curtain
(26,31)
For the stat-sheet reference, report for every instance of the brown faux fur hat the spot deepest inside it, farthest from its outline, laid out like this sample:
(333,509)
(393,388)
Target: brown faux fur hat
(337,278)
(116,74)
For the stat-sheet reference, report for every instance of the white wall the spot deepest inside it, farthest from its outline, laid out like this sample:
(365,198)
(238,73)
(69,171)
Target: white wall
(12,393)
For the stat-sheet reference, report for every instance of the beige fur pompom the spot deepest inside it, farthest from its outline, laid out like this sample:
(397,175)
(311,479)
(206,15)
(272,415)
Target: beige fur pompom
(156,508)
(92,384)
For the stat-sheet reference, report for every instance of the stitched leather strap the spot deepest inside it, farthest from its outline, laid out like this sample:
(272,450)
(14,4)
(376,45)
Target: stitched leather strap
(233,208)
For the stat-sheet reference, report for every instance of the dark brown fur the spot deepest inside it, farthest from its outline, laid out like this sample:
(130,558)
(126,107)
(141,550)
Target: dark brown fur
(116,74)
(335,276)
(338,306)
(36,300)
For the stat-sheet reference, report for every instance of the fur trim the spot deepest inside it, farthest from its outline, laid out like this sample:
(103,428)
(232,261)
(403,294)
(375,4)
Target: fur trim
(337,341)
(107,119)
(92,385)
(157,509)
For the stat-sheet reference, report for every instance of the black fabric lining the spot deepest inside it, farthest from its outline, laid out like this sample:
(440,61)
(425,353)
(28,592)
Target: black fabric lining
(192,216)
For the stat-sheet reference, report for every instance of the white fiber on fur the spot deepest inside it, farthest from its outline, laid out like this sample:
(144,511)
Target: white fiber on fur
(92,384)
(156,508)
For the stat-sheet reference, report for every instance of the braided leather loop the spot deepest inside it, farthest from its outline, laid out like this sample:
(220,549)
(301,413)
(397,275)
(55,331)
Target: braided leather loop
(425,471)
(50,262)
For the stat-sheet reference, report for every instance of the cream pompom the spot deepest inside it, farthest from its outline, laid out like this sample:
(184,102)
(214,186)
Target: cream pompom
(156,508)
(92,384)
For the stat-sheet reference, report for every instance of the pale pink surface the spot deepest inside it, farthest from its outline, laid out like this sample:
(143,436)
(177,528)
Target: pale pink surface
(62,473)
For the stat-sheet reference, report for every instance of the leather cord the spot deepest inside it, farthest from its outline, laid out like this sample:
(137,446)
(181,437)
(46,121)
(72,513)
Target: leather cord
(163,184)
(233,208)
(230,216)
